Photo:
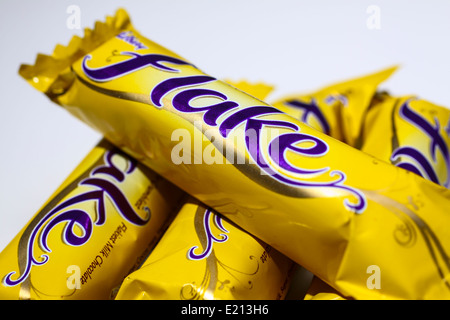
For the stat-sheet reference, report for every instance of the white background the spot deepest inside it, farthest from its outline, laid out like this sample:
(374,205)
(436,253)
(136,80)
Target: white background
(295,45)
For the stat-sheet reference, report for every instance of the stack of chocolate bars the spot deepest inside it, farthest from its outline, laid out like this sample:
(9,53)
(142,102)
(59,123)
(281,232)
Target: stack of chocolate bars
(204,189)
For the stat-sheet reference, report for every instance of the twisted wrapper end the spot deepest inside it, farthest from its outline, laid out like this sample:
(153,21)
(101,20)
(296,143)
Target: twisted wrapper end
(51,74)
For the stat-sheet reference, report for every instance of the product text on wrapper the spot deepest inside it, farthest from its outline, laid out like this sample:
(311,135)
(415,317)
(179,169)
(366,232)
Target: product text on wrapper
(76,219)
(103,253)
(226,115)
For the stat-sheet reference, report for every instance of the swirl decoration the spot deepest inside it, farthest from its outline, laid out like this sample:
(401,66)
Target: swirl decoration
(210,238)
(210,281)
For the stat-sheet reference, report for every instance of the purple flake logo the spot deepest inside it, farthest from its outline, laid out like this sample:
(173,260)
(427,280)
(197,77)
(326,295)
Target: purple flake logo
(67,213)
(232,115)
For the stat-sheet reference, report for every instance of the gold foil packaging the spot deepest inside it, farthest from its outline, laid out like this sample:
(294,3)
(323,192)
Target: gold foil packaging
(94,230)
(103,223)
(417,139)
(331,208)
(204,257)
(337,110)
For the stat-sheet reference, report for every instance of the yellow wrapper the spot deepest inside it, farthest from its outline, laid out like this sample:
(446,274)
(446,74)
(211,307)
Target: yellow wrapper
(333,209)
(96,228)
(410,133)
(337,110)
(205,257)
(259,90)
(319,290)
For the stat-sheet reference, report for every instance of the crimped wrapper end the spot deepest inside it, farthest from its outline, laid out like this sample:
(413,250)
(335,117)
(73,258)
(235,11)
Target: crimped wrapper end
(50,73)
